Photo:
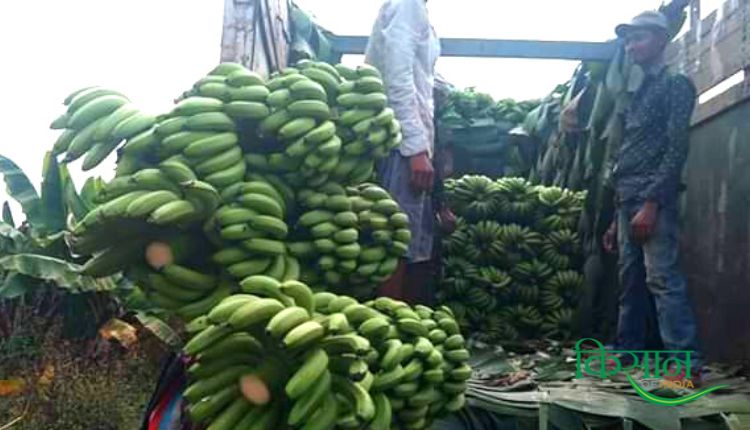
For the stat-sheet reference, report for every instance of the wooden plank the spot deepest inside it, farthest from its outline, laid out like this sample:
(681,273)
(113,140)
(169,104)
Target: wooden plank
(727,100)
(499,48)
(720,52)
(255,33)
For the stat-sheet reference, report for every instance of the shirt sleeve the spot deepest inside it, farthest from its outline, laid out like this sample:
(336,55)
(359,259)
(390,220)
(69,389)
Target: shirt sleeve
(667,178)
(403,34)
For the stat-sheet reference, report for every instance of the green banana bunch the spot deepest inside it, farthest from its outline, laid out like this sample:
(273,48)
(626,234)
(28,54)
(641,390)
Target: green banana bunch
(96,123)
(523,241)
(353,238)
(330,359)
(418,354)
(366,127)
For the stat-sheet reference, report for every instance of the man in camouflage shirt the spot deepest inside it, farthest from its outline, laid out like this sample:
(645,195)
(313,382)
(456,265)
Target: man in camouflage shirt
(646,177)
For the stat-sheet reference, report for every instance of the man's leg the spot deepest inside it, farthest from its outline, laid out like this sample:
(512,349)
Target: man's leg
(394,173)
(677,325)
(634,301)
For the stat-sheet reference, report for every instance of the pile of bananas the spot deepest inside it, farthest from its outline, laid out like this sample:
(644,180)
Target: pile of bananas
(353,236)
(223,165)
(511,268)
(279,355)
(366,126)
(220,209)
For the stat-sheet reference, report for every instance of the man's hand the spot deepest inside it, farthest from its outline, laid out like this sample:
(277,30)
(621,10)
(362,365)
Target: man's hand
(422,172)
(447,220)
(610,238)
(644,222)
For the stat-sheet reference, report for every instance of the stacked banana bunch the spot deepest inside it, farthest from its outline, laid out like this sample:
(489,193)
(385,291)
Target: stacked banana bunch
(365,124)
(251,229)
(300,125)
(414,357)
(243,92)
(177,279)
(354,237)
(328,235)
(134,209)
(511,268)
(277,355)
(97,121)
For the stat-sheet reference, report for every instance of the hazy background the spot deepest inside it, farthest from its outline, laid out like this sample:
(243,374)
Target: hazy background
(152,50)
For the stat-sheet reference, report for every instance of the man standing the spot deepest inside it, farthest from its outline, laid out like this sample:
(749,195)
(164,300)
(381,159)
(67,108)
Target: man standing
(405,48)
(646,176)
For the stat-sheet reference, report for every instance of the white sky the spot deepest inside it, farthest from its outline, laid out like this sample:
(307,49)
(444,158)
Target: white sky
(152,50)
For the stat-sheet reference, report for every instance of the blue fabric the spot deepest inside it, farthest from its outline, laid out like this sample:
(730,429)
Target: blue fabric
(655,144)
(653,269)
(394,175)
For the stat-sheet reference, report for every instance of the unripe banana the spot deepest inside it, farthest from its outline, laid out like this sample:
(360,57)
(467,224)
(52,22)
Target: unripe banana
(196,105)
(244,78)
(274,122)
(210,121)
(221,161)
(256,93)
(303,335)
(296,128)
(177,171)
(133,125)
(283,322)
(81,142)
(255,313)
(149,202)
(107,126)
(249,267)
(189,278)
(308,90)
(228,176)
(212,145)
(247,110)
(95,109)
(310,109)
(322,133)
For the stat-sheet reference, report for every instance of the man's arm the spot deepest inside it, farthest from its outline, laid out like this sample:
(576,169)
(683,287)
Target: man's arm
(402,35)
(681,103)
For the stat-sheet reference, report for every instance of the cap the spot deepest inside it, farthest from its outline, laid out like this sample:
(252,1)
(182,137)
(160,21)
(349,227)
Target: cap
(648,19)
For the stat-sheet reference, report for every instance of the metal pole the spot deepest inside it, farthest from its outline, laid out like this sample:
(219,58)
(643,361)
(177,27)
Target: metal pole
(695,19)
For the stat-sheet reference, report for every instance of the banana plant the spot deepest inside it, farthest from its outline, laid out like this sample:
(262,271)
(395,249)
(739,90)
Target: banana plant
(35,260)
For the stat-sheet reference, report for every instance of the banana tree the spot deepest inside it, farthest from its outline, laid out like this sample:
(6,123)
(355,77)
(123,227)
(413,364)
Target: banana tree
(38,273)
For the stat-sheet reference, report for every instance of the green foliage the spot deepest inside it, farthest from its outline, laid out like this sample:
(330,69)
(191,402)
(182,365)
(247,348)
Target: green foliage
(19,187)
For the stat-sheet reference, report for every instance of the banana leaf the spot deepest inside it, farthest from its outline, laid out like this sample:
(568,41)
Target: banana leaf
(8,215)
(160,329)
(53,206)
(19,188)
(737,421)
(90,191)
(59,272)
(12,241)
(16,285)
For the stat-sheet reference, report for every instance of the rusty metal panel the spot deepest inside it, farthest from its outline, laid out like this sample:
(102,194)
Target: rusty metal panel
(256,34)
(716,232)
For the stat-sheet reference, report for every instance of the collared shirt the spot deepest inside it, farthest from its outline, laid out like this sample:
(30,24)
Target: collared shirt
(405,48)
(655,144)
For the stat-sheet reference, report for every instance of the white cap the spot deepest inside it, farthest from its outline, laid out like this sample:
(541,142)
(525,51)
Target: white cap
(647,20)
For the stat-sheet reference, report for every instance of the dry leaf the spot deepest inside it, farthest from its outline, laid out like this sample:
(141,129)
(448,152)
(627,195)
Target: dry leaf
(12,387)
(120,331)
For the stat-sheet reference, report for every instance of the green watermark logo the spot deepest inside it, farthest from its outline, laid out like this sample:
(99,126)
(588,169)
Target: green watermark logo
(662,368)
